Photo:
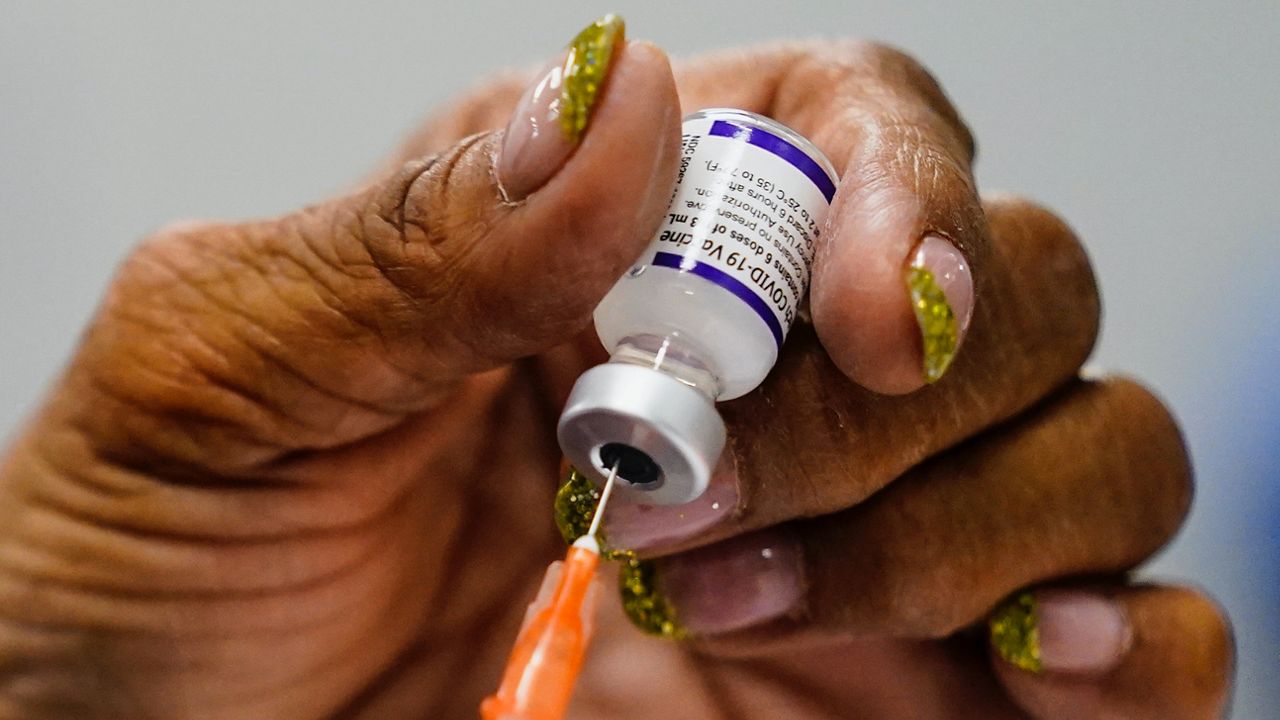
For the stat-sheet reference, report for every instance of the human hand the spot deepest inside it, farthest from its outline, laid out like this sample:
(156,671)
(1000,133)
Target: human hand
(300,467)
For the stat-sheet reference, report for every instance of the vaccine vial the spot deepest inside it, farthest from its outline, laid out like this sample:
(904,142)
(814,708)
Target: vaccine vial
(702,314)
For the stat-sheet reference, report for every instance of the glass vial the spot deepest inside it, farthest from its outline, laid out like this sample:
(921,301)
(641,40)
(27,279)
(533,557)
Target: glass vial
(702,314)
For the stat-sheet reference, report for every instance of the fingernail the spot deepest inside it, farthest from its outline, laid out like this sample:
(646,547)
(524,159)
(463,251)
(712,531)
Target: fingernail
(634,526)
(575,503)
(732,585)
(1015,634)
(941,287)
(554,112)
(1081,632)
(1061,631)
(575,508)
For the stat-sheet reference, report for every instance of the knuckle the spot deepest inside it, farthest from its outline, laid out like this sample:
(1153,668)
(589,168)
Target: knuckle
(911,151)
(887,57)
(918,600)
(1211,623)
(908,585)
(1196,635)
(425,221)
(1027,216)
(861,54)
(1035,249)
(191,350)
(895,67)
(1156,457)
(142,357)
(172,240)
(165,261)
(1030,231)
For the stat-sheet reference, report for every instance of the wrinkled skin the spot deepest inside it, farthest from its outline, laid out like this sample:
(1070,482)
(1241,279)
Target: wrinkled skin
(303,467)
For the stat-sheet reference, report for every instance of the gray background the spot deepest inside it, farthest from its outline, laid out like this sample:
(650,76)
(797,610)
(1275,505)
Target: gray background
(1151,126)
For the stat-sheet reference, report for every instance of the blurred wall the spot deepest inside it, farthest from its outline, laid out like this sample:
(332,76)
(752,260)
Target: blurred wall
(1150,125)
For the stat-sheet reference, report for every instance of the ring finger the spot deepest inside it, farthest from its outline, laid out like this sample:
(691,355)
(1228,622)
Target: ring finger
(938,549)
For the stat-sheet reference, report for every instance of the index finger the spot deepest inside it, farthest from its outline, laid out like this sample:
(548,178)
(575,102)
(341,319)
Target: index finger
(906,197)
(808,443)
(892,289)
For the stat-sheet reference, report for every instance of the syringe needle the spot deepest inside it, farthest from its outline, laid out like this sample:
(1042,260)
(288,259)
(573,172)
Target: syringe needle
(547,656)
(594,530)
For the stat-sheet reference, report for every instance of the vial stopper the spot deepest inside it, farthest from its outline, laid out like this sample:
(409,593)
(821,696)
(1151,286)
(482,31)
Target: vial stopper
(664,436)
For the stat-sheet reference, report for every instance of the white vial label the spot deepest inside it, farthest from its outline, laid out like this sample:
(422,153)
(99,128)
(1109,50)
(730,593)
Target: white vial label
(746,213)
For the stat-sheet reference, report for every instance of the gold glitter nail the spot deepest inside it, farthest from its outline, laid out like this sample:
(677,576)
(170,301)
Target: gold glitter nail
(643,604)
(575,505)
(574,509)
(938,327)
(648,609)
(1015,633)
(585,70)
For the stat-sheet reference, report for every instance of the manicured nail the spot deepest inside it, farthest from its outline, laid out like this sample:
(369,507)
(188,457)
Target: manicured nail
(585,70)
(732,585)
(1081,632)
(941,288)
(575,507)
(1061,631)
(643,527)
(647,608)
(554,112)
(1015,634)
(575,503)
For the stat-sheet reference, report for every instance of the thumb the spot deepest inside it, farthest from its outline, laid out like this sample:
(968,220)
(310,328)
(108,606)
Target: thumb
(330,324)
(514,237)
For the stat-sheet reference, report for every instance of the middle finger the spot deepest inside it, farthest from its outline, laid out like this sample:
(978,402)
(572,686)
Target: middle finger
(811,442)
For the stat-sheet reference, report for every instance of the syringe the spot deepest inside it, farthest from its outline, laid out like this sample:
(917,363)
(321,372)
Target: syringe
(547,656)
